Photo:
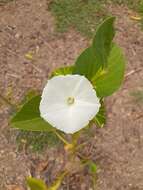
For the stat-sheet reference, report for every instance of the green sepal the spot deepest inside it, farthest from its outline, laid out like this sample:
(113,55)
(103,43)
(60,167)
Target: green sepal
(100,118)
(63,71)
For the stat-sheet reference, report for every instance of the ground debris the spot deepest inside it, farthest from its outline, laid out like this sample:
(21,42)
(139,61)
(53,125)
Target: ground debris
(14,187)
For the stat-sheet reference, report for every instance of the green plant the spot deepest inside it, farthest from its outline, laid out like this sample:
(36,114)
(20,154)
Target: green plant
(84,15)
(73,99)
(37,141)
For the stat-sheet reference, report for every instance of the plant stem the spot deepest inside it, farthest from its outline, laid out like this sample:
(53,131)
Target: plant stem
(61,138)
(75,137)
(58,182)
(94,181)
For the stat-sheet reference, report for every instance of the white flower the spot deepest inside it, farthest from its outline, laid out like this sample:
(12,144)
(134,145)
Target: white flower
(69,102)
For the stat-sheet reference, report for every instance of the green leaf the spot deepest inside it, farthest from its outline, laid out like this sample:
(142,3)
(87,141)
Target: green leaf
(92,167)
(63,71)
(107,81)
(36,184)
(86,64)
(103,40)
(94,57)
(28,118)
(100,118)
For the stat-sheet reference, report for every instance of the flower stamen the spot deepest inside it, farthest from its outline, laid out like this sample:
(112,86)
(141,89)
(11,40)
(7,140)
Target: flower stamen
(70,100)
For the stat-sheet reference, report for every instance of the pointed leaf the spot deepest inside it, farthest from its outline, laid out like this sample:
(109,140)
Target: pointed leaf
(86,64)
(94,57)
(107,81)
(36,184)
(28,118)
(103,40)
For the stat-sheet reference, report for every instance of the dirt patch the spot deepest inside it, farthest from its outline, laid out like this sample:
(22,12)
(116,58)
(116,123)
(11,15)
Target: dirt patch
(118,148)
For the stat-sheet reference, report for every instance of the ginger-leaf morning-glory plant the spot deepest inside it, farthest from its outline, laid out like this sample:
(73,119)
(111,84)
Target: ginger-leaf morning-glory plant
(73,97)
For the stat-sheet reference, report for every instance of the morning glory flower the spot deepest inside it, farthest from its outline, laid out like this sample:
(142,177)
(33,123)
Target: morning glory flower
(69,102)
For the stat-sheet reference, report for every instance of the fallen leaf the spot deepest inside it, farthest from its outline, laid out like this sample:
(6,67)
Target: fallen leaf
(29,56)
(137,18)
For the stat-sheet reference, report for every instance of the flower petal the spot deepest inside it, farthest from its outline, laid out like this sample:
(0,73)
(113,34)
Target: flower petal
(55,109)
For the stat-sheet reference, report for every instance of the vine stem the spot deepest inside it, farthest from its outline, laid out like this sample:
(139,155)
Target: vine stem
(57,183)
(61,138)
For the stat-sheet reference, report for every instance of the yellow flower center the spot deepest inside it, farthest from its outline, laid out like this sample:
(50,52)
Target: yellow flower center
(70,100)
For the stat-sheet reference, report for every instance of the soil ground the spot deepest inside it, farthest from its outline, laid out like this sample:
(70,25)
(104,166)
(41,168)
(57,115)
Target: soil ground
(26,26)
